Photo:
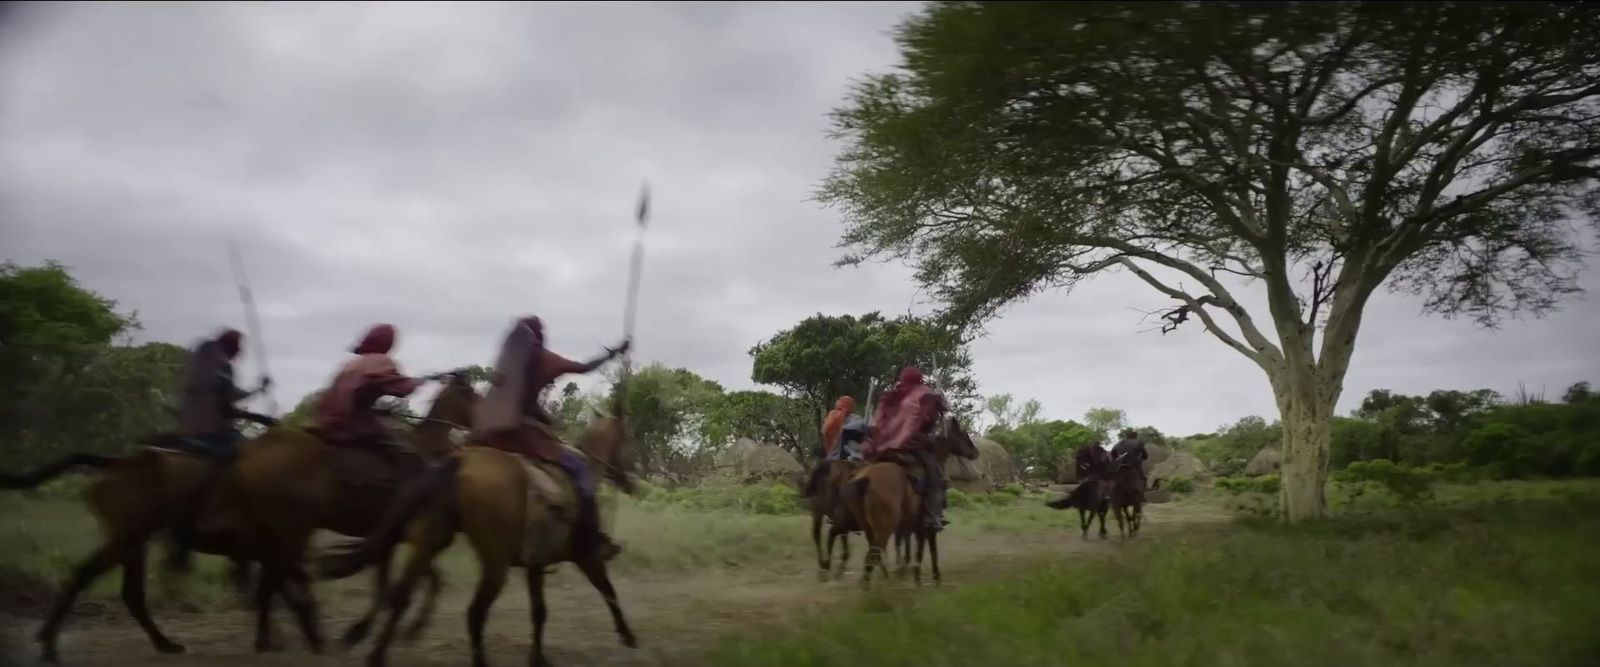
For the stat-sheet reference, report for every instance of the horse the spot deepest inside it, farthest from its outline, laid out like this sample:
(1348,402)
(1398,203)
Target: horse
(884,500)
(484,492)
(1125,491)
(292,483)
(1091,462)
(135,497)
(824,497)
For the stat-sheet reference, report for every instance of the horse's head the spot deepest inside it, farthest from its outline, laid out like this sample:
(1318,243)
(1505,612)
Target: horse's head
(455,400)
(956,441)
(605,442)
(1091,460)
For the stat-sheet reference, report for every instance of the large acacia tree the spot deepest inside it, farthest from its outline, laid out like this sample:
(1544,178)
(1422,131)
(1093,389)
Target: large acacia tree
(1319,149)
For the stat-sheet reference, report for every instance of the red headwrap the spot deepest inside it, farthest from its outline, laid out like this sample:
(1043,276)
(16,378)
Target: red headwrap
(229,341)
(537,325)
(378,340)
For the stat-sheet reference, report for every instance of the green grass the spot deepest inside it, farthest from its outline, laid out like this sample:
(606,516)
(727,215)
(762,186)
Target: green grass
(1486,575)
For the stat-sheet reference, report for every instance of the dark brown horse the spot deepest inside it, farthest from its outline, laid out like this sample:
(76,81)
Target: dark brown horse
(1124,488)
(136,497)
(884,500)
(291,484)
(825,498)
(1090,463)
(485,493)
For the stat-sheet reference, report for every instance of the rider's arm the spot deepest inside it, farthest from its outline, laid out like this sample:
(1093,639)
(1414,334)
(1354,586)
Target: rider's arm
(563,366)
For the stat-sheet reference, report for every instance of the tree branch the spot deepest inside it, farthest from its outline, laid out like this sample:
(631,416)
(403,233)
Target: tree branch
(1264,358)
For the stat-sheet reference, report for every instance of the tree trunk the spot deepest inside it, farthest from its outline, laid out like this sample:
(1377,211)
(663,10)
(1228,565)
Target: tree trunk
(1307,436)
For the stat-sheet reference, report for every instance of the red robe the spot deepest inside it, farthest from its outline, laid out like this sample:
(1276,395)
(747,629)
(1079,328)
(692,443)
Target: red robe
(346,409)
(898,422)
(509,416)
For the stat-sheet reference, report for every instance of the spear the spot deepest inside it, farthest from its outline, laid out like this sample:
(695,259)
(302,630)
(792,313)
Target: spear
(642,218)
(252,322)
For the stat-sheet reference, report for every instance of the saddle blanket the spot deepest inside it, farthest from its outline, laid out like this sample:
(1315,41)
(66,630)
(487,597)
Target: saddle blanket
(552,511)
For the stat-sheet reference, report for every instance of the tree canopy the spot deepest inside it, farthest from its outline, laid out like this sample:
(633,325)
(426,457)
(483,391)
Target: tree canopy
(1321,150)
(825,357)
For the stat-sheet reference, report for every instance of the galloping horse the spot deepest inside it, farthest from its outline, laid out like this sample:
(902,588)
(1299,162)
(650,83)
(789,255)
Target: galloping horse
(514,513)
(1125,490)
(1091,462)
(884,500)
(825,499)
(137,496)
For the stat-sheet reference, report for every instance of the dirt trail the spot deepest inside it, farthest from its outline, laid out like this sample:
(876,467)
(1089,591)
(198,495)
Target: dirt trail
(673,615)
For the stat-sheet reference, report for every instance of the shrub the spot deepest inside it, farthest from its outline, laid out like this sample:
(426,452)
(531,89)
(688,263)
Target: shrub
(1263,484)
(1180,484)
(957,498)
(1014,489)
(1409,485)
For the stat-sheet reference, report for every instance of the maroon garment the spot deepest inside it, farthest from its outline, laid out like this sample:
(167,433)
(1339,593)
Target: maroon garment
(345,411)
(509,415)
(904,414)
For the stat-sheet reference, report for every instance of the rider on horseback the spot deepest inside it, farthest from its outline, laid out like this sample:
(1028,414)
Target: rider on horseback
(509,417)
(840,429)
(905,415)
(346,415)
(205,420)
(1131,451)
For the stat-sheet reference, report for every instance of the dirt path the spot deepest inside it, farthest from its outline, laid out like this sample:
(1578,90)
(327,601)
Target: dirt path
(673,615)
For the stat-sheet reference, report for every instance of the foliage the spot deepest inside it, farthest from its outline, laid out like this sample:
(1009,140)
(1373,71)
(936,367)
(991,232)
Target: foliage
(1038,449)
(1269,484)
(1180,484)
(1322,149)
(1409,485)
(1003,415)
(1227,451)
(1480,585)
(767,418)
(825,357)
(753,499)
(666,412)
(1107,423)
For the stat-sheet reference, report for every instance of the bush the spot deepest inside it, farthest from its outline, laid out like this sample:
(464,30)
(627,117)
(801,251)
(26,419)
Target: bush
(1179,484)
(1014,489)
(772,499)
(1409,485)
(1589,460)
(957,498)
(1263,484)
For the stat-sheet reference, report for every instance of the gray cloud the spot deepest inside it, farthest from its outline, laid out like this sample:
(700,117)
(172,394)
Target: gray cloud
(448,168)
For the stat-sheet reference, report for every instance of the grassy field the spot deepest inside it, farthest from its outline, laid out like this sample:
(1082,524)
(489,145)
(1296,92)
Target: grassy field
(1488,574)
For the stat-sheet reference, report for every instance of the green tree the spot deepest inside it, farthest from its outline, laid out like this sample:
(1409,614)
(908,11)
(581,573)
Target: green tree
(825,357)
(1322,149)
(764,417)
(1005,415)
(1227,452)
(1106,423)
(1038,449)
(666,411)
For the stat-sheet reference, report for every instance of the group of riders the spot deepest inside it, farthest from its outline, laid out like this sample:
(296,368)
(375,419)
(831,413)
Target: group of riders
(512,418)
(509,417)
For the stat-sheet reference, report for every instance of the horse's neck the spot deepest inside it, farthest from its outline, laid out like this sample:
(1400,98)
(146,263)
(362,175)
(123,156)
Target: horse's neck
(431,439)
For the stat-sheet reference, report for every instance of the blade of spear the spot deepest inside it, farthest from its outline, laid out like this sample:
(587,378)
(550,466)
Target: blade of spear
(630,310)
(252,322)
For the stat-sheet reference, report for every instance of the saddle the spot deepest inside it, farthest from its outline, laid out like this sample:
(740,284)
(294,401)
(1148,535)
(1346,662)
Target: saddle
(552,512)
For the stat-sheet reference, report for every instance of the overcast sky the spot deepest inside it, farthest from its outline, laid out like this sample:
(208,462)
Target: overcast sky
(446,168)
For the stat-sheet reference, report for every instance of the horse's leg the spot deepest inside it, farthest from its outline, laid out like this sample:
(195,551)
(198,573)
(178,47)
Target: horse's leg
(1122,526)
(425,615)
(133,576)
(844,550)
(91,569)
(420,562)
(297,594)
(1103,509)
(266,587)
(540,613)
(916,570)
(493,566)
(595,570)
(359,630)
(1085,518)
(816,538)
(933,553)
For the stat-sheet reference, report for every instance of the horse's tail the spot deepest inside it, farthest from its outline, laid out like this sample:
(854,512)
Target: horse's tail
(54,469)
(1064,502)
(377,546)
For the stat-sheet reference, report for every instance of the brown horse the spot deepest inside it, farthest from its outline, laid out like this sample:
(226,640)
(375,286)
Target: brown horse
(825,498)
(1124,488)
(489,494)
(291,484)
(884,500)
(137,496)
(1091,462)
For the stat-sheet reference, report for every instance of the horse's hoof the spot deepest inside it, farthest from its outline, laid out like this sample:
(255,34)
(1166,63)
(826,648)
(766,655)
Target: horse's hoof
(170,648)
(630,641)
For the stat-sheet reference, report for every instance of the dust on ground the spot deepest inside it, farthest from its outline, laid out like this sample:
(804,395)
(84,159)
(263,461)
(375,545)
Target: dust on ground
(674,616)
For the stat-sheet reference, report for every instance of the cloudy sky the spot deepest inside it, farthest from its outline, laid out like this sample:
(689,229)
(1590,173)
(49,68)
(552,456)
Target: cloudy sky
(446,168)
